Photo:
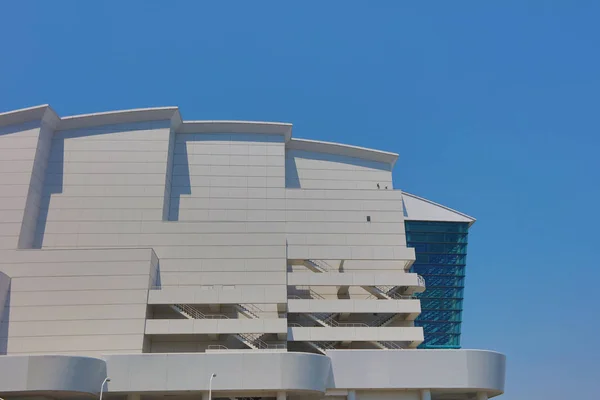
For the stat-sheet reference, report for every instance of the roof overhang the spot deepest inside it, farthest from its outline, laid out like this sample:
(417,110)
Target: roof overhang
(343,150)
(172,114)
(420,209)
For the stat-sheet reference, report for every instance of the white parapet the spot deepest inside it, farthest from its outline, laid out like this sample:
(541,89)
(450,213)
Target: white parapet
(355,279)
(355,334)
(409,306)
(223,294)
(215,326)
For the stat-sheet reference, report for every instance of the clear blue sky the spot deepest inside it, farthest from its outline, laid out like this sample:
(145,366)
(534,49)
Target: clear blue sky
(492,106)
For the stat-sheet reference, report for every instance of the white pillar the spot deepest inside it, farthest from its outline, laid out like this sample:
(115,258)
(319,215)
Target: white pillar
(482,396)
(281,396)
(351,395)
(133,396)
(425,394)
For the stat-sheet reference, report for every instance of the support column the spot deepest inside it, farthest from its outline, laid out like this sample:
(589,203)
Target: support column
(482,396)
(281,396)
(351,395)
(426,394)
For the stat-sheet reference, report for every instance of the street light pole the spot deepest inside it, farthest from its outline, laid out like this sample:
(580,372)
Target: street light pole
(213,375)
(107,379)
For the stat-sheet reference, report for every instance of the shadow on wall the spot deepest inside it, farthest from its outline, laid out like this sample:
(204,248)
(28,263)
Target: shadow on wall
(404,212)
(10,129)
(4,319)
(180,180)
(292,180)
(53,183)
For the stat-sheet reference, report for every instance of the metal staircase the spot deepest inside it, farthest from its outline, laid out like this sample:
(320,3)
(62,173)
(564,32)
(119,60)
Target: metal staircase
(318,266)
(193,313)
(329,320)
(307,294)
(386,345)
(322,347)
(249,310)
(384,320)
(252,340)
(384,292)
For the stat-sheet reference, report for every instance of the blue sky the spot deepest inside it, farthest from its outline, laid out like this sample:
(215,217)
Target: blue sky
(492,106)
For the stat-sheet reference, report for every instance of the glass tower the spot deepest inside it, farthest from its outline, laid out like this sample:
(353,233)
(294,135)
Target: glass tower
(441,253)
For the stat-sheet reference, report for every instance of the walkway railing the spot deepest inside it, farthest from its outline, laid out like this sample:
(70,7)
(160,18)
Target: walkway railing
(194,313)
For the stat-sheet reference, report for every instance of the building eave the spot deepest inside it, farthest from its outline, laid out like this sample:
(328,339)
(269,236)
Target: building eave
(173,115)
(344,150)
(29,114)
(120,117)
(253,127)
(461,217)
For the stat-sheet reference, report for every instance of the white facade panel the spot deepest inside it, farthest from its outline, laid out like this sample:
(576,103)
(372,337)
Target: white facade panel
(359,334)
(215,326)
(354,306)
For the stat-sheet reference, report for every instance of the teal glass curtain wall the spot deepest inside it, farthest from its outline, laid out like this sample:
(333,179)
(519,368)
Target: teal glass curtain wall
(441,258)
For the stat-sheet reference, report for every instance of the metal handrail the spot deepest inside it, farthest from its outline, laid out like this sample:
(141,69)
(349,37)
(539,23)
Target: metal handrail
(251,309)
(401,296)
(335,324)
(325,345)
(394,296)
(383,320)
(391,345)
(386,288)
(329,319)
(196,314)
(349,324)
(322,265)
(311,293)
(261,344)
(217,347)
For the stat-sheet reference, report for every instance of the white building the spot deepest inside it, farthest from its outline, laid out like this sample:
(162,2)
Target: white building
(157,252)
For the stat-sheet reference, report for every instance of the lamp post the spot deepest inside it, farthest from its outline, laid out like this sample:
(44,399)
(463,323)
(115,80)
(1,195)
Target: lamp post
(107,379)
(213,375)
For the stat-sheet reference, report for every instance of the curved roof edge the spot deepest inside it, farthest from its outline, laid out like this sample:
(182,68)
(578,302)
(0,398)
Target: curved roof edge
(269,128)
(420,209)
(121,117)
(42,112)
(48,115)
(343,150)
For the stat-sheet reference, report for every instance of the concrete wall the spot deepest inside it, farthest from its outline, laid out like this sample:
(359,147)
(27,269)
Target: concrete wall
(228,177)
(334,224)
(51,375)
(23,158)
(110,174)
(77,301)
(373,375)
(110,187)
(315,170)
